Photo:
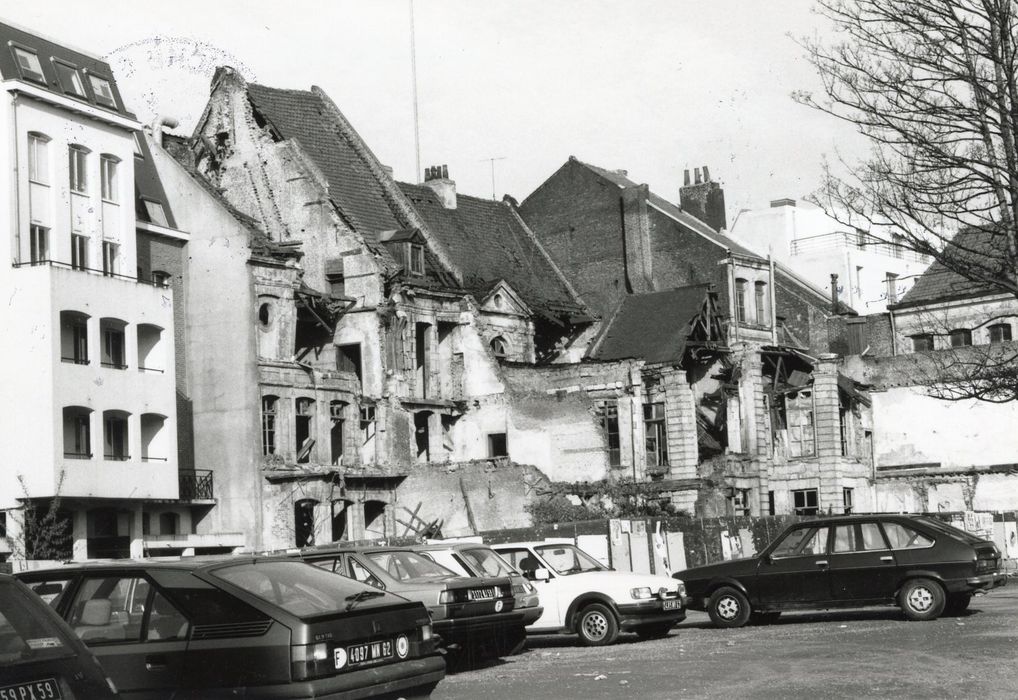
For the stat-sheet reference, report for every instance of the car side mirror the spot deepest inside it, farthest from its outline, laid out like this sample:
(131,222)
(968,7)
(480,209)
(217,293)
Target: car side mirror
(540,574)
(768,559)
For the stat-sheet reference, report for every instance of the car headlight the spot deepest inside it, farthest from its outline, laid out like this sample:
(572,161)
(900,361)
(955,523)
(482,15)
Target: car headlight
(682,588)
(643,593)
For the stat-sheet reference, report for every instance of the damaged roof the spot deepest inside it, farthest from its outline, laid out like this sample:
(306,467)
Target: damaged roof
(985,248)
(653,327)
(303,116)
(489,243)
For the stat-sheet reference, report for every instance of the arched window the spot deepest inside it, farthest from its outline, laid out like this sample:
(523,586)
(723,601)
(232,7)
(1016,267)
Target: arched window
(74,337)
(269,415)
(265,314)
(153,438)
(499,348)
(111,332)
(77,432)
(115,442)
(151,352)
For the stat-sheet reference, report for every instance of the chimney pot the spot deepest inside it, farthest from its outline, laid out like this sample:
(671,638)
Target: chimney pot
(685,177)
(834,292)
(445,172)
(696,176)
(706,175)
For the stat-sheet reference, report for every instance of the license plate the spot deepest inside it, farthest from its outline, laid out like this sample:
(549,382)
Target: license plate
(670,605)
(481,593)
(34,690)
(372,651)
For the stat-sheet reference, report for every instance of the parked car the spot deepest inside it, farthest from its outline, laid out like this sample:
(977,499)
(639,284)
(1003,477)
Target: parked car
(40,657)
(474,615)
(924,566)
(581,595)
(475,559)
(257,627)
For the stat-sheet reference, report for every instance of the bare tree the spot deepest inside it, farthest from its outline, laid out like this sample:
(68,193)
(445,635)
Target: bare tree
(932,86)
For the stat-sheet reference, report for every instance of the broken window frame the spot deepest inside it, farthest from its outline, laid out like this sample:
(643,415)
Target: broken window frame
(608,418)
(367,423)
(337,420)
(848,500)
(801,501)
(801,433)
(304,415)
(655,429)
(499,348)
(738,501)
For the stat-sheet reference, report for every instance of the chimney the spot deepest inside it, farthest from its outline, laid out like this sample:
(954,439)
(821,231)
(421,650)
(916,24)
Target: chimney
(639,255)
(437,178)
(786,202)
(834,292)
(703,199)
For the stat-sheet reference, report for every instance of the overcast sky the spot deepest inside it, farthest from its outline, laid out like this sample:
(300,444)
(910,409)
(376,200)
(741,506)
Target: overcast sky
(651,86)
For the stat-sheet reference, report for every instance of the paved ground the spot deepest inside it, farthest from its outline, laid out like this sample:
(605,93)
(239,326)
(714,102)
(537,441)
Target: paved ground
(870,653)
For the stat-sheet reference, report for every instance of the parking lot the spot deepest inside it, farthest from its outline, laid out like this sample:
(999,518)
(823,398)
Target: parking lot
(869,653)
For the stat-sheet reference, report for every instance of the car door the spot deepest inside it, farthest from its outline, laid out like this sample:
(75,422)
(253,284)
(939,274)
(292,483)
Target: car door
(795,572)
(549,591)
(862,566)
(137,634)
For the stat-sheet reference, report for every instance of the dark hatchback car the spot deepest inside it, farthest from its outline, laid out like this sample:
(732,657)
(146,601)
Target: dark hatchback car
(266,628)
(924,566)
(474,615)
(40,657)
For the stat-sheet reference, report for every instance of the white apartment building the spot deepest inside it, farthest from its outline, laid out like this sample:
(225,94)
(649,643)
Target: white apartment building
(871,273)
(87,347)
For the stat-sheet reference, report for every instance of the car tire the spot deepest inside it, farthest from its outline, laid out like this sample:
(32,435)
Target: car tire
(597,626)
(654,631)
(728,607)
(764,618)
(957,603)
(921,599)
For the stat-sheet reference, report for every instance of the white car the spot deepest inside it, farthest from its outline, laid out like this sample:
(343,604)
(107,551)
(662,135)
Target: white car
(581,595)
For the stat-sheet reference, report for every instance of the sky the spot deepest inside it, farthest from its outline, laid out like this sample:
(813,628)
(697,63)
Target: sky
(654,87)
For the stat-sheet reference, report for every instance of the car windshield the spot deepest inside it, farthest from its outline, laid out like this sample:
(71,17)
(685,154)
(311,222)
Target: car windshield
(568,559)
(26,633)
(949,529)
(486,563)
(404,565)
(298,588)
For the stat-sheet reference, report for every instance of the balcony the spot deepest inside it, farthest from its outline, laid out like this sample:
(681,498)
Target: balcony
(161,283)
(195,484)
(844,240)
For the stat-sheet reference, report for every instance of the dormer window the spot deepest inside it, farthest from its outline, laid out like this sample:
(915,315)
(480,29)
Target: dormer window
(138,153)
(415,255)
(28,63)
(70,79)
(102,91)
(155,211)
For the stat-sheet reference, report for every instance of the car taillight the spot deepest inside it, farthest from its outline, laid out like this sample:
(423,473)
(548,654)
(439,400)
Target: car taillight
(985,564)
(313,660)
(426,633)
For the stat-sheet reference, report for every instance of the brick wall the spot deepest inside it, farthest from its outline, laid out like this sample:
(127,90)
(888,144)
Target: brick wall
(850,335)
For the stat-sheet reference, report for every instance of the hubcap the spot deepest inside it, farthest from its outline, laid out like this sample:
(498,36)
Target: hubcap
(728,608)
(595,626)
(920,599)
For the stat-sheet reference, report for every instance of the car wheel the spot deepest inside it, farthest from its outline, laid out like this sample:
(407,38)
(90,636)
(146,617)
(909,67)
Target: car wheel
(654,631)
(921,599)
(597,625)
(764,618)
(728,607)
(957,603)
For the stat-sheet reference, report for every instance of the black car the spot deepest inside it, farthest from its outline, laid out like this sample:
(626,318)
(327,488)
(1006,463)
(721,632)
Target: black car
(39,655)
(920,564)
(269,628)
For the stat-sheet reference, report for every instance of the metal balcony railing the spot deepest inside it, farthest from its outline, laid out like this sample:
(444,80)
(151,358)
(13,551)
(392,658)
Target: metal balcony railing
(195,484)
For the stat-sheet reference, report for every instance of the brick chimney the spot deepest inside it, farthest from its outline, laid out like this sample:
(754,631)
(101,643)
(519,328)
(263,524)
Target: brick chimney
(703,199)
(437,178)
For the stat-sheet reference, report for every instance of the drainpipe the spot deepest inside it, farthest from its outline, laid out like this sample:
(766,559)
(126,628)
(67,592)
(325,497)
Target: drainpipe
(773,300)
(894,334)
(16,180)
(731,297)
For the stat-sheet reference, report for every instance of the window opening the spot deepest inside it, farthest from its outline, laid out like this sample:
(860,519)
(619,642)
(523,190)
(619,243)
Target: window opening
(805,502)
(799,414)
(269,405)
(70,79)
(113,347)
(304,429)
(304,522)
(891,284)
(416,259)
(922,342)
(1000,332)
(110,258)
(348,359)
(738,502)
(498,445)
(655,434)
(961,337)
(39,243)
(77,160)
(108,166)
(28,63)
(761,303)
(608,417)
(337,415)
(848,500)
(38,158)
(116,437)
(740,301)
(421,358)
(79,252)
(499,348)
(422,436)
(102,91)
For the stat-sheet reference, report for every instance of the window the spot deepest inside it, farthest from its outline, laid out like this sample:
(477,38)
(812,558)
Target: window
(39,242)
(169,523)
(110,258)
(740,301)
(269,404)
(156,213)
(70,79)
(74,337)
(38,158)
(803,541)
(304,425)
(77,438)
(498,446)
(112,344)
(738,502)
(137,141)
(922,342)
(499,348)
(897,246)
(891,284)
(848,500)
(348,359)
(160,278)
(337,414)
(337,285)
(903,537)
(608,417)
(805,502)
(79,252)
(265,315)
(304,522)
(28,63)
(655,434)
(761,303)
(102,91)
(1000,332)
(115,435)
(960,337)
(799,413)
(858,537)
(77,163)
(367,423)
(415,254)
(771,506)
(108,166)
